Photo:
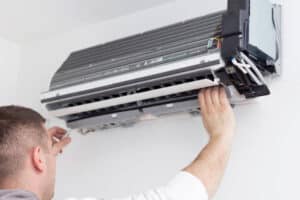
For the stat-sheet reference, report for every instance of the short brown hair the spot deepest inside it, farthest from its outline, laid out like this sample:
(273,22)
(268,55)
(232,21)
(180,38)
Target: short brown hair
(20,129)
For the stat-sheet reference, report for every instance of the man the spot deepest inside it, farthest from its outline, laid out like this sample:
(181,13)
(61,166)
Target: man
(28,154)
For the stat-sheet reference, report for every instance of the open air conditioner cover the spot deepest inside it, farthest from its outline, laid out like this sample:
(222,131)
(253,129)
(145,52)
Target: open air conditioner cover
(161,71)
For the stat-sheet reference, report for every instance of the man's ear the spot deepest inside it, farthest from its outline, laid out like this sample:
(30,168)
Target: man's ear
(38,159)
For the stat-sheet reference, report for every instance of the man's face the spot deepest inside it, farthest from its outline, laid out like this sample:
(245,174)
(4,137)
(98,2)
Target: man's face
(56,143)
(51,170)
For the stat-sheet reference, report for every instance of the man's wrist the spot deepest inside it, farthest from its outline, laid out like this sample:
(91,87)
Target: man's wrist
(222,138)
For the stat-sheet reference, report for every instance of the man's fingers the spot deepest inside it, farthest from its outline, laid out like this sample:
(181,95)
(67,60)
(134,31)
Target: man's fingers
(201,100)
(223,97)
(208,100)
(215,96)
(56,131)
(59,146)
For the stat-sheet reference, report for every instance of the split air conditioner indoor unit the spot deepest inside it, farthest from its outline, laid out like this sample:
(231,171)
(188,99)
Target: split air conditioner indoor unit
(161,71)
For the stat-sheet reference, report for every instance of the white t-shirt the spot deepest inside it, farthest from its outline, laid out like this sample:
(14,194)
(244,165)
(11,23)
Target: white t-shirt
(184,186)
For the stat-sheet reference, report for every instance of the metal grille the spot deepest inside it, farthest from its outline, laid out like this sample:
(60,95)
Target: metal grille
(149,49)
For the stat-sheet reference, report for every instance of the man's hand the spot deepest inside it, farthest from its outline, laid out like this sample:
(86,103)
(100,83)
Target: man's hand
(219,121)
(58,139)
(217,114)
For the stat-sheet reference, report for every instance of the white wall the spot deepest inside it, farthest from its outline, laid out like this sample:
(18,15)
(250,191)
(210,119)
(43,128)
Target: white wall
(9,67)
(122,161)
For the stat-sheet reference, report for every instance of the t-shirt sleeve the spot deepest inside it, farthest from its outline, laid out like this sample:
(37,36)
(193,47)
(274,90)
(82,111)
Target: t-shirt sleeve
(184,186)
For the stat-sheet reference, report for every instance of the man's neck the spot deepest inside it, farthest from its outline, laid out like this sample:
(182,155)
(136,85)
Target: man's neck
(13,184)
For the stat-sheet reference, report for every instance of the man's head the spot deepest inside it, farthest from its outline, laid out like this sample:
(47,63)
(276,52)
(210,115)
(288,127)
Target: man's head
(28,151)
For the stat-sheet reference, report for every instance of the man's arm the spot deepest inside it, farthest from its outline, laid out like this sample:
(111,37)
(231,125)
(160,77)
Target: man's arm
(200,180)
(219,121)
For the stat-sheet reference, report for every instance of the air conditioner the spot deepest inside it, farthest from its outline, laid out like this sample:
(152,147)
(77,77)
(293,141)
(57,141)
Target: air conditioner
(161,71)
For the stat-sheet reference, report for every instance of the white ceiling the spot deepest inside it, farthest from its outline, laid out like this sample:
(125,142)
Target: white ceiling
(27,20)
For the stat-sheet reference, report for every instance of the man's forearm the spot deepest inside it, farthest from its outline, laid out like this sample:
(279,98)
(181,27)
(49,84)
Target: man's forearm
(219,121)
(210,164)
